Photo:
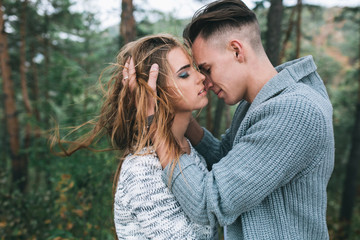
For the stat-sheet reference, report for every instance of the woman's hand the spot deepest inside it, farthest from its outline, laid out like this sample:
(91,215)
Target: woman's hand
(129,74)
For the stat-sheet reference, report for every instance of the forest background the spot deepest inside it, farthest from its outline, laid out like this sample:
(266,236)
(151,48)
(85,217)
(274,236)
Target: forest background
(51,58)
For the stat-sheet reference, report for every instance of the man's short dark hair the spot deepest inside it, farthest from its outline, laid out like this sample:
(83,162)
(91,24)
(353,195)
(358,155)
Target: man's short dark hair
(216,16)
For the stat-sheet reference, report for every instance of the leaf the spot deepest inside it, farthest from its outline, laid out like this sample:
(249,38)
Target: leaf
(47,221)
(65,177)
(78,212)
(69,226)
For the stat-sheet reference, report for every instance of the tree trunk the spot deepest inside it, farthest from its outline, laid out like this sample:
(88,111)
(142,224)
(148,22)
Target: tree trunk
(46,69)
(220,105)
(227,116)
(273,33)
(3,142)
(12,122)
(350,183)
(35,89)
(287,35)
(47,107)
(298,28)
(35,93)
(23,58)
(127,25)
(209,115)
(24,89)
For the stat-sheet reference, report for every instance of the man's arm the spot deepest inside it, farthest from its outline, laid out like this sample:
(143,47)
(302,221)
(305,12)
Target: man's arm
(277,146)
(213,149)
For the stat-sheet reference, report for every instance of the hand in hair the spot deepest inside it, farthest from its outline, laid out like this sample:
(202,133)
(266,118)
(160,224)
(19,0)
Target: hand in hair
(129,74)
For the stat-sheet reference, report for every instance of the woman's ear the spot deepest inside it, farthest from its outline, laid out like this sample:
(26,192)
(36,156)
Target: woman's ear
(238,50)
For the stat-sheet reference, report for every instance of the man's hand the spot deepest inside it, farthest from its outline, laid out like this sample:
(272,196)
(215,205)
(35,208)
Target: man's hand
(194,132)
(129,74)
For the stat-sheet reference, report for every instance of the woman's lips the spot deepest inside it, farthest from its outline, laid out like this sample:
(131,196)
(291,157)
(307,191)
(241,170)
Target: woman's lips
(202,91)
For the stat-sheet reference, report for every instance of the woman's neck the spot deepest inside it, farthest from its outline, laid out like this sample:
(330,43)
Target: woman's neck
(180,124)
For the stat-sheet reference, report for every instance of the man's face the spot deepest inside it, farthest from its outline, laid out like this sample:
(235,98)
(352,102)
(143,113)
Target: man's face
(221,68)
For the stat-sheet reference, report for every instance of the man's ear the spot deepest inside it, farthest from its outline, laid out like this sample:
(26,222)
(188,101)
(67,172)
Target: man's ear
(238,50)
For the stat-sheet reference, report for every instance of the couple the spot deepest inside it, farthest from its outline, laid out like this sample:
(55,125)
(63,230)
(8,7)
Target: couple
(265,179)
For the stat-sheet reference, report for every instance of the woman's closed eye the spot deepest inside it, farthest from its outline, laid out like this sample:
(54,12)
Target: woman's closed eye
(184,74)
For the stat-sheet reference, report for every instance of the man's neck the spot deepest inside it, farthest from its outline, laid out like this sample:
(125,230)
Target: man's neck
(260,73)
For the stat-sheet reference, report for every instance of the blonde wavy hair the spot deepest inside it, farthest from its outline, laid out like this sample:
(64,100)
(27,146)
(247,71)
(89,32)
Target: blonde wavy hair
(123,115)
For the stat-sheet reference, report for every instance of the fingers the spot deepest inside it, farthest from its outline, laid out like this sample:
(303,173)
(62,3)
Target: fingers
(153,75)
(132,74)
(129,74)
(125,72)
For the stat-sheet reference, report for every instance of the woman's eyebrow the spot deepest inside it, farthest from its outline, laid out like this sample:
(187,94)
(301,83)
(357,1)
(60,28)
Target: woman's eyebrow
(183,67)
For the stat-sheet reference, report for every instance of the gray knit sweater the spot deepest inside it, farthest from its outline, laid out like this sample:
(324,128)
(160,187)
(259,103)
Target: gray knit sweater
(269,172)
(144,208)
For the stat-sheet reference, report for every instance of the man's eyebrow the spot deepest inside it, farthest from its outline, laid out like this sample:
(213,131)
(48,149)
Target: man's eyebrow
(183,67)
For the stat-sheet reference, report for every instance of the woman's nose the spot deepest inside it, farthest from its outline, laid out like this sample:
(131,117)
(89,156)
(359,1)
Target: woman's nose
(201,77)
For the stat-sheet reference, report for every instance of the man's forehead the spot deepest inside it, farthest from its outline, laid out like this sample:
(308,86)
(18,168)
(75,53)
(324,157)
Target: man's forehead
(199,42)
(200,50)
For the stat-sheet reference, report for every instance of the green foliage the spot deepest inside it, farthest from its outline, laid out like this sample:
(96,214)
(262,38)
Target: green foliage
(66,197)
(71,207)
(165,23)
(343,97)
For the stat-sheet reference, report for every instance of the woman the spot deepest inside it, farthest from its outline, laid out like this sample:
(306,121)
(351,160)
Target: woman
(144,207)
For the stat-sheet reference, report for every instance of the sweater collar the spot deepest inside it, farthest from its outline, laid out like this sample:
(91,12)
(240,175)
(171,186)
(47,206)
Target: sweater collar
(289,73)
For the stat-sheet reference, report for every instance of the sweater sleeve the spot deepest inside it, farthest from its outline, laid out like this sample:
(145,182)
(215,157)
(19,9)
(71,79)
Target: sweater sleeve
(213,149)
(154,207)
(281,138)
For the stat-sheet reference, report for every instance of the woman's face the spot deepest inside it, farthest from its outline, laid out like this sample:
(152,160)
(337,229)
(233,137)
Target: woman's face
(188,80)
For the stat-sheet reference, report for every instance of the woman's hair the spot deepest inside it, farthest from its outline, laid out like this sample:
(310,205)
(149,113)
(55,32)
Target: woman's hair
(123,115)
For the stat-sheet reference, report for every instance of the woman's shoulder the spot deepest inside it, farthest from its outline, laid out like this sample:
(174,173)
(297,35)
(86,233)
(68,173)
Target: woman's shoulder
(138,170)
(145,159)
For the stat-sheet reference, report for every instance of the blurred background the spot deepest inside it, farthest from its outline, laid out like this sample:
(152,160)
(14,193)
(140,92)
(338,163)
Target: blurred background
(52,53)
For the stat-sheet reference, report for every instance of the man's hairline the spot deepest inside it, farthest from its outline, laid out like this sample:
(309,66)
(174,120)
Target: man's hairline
(232,32)
(223,37)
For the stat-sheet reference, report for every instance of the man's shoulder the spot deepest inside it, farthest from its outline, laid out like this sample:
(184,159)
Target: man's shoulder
(310,97)
(299,103)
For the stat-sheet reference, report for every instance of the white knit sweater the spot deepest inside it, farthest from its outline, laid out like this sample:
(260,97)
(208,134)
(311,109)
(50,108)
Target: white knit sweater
(145,208)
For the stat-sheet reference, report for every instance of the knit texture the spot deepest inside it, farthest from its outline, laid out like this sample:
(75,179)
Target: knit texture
(270,170)
(144,207)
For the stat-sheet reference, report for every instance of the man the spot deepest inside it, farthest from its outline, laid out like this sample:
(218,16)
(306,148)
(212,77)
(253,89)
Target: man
(268,174)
